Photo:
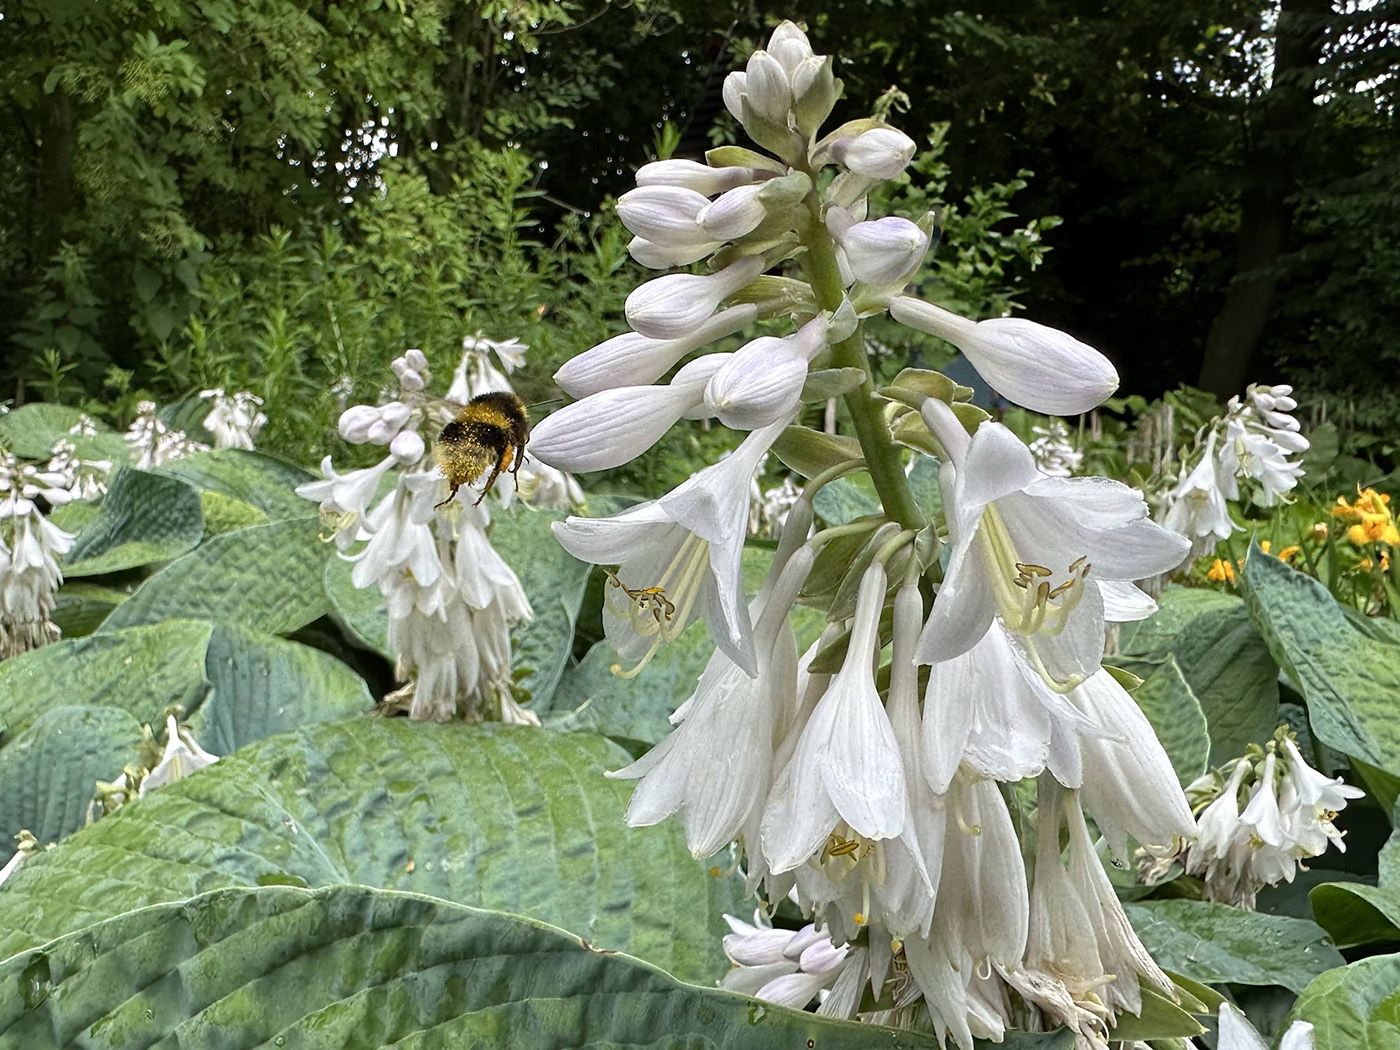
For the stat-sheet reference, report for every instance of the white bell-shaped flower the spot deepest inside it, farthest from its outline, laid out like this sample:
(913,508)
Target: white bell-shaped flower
(680,555)
(716,767)
(846,765)
(1024,546)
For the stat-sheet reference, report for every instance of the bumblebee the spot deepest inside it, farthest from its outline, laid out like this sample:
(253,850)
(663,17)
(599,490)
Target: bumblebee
(488,433)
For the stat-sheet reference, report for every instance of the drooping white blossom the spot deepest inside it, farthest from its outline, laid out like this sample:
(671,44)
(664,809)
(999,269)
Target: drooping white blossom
(1258,818)
(181,757)
(1024,546)
(234,419)
(880,802)
(30,546)
(451,598)
(1256,442)
(152,442)
(1236,1033)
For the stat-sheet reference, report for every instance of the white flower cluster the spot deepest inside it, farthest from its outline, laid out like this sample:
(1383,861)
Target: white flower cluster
(152,442)
(451,598)
(234,419)
(787,967)
(79,479)
(880,806)
(30,546)
(768,508)
(1252,441)
(1054,451)
(159,765)
(1260,817)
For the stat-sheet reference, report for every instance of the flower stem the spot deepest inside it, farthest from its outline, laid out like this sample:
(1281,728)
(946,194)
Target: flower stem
(882,457)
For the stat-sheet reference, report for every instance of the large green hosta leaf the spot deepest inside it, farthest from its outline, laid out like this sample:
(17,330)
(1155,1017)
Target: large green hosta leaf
(1214,943)
(510,819)
(1355,1007)
(349,966)
(554,581)
(265,577)
(1176,716)
(74,709)
(1355,913)
(143,518)
(32,430)
(253,478)
(1349,678)
(1222,658)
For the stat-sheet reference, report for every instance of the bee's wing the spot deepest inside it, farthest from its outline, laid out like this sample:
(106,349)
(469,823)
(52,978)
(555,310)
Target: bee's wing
(446,404)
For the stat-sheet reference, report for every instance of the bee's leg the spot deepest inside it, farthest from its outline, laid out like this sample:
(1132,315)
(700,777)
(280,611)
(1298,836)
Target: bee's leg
(516,461)
(450,497)
(495,473)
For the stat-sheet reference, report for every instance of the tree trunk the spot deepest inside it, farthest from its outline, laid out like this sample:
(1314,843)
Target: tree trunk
(56,187)
(1265,211)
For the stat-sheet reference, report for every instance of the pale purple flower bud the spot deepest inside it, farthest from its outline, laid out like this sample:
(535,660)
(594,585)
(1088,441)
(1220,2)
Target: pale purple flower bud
(611,427)
(733,214)
(884,252)
(690,175)
(880,153)
(407,448)
(632,359)
(658,256)
(760,384)
(790,46)
(667,215)
(355,423)
(669,307)
(734,87)
(767,88)
(814,92)
(1035,366)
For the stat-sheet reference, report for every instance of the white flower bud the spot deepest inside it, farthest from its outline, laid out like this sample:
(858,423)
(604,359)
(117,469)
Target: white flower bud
(632,359)
(880,153)
(416,359)
(665,214)
(884,252)
(355,422)
(767,88)
(690,175)
(733,92)
(759,385)
(1033,365)
(814,92)
(789,45)
(733,214)
(395,414)
(407,448)
(669,307)
(657,256)
(611,427)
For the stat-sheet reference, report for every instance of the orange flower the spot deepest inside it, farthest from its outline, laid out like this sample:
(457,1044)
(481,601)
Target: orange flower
(1221,571)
